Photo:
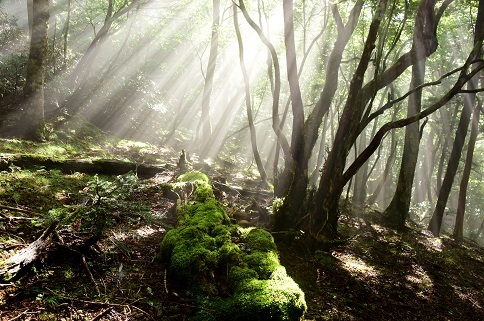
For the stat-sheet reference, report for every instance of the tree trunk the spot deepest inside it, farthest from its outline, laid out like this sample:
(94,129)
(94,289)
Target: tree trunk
(285,218)
(398,209)
(253,136)
(459,220)
(325,215)
(65,30)
(296,174)
(98,166)
(360,189)
(22,261)
(205,122)
(31,124)
(469,102)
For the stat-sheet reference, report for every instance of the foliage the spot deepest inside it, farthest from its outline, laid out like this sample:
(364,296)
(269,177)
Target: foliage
(13,56)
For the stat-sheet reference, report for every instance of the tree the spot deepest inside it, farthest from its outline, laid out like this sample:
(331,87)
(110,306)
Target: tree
(208,84)
(32,124)
(295,171)
(397,211)
(459,220)
(453,164)
(253,136)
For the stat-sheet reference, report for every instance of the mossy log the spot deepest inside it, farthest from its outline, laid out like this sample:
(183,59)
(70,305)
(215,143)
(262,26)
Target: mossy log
(232,272)
(96,166)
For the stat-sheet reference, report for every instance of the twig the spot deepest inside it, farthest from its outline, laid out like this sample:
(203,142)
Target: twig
(164,282)
(83,258)
(101,314)
(128,306)
(90,275)
(16,209)
(18,316)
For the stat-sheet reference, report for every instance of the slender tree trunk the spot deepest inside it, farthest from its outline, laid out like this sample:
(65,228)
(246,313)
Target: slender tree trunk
(286,216)
(398,209)
(77,80)
(65,31)
(253,136)
(205,122)
(459,221)
(32,125)
(296,171)
(359,192)
(469,101)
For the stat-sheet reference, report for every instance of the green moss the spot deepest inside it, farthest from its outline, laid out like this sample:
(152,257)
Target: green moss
(206,215)
(193,176)
(264,263)
(210,257)
(278,298)
(260,240)
(202,188)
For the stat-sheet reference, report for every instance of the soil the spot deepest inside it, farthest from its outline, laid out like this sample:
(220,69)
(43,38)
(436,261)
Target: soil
(371,273)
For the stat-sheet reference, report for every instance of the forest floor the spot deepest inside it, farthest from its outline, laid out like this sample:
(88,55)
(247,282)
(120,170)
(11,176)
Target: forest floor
(372,272)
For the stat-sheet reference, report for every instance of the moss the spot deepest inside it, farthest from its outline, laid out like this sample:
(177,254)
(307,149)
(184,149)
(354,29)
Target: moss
(278,298)
(202,188)
(193,176)
(206,215)
(264,263)
(260,240)
(210,257)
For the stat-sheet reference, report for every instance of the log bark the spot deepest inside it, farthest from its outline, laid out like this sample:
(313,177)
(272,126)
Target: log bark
(22,261)
(99,166)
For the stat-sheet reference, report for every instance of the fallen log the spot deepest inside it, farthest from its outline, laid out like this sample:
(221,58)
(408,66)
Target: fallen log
(22,261)
(88,166)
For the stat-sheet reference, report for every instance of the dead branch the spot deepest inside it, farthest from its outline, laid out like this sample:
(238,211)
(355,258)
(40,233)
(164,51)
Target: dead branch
(22,261)
(16,209)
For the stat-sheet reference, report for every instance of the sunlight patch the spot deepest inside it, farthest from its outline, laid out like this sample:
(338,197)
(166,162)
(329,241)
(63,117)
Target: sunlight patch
(466,294)
(357,266)
(146,231)
(433,243)
(419,276)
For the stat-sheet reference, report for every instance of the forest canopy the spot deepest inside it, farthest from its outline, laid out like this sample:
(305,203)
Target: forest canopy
(329,103)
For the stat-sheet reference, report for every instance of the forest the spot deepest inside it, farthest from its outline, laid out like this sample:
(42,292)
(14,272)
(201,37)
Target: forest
(241,160)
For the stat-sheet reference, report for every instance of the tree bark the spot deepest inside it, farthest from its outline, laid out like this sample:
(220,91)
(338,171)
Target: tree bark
(22,261)
(296,171)
(31,124)
(324,216)
(469,101)
(459,220)
(205,121)
(398,209)
(253,135)
(100,166)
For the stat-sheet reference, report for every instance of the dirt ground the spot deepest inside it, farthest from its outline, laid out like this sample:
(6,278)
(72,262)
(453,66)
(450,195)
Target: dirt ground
(371,273)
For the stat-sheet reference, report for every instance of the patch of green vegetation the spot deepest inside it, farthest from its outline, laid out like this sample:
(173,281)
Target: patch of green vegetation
(77,138)
(198,182)
(85,202)
(231,270)
(193,176)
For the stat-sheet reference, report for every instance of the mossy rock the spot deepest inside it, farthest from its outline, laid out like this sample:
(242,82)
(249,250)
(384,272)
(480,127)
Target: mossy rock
(201,183)
(231,270)
(193,176)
